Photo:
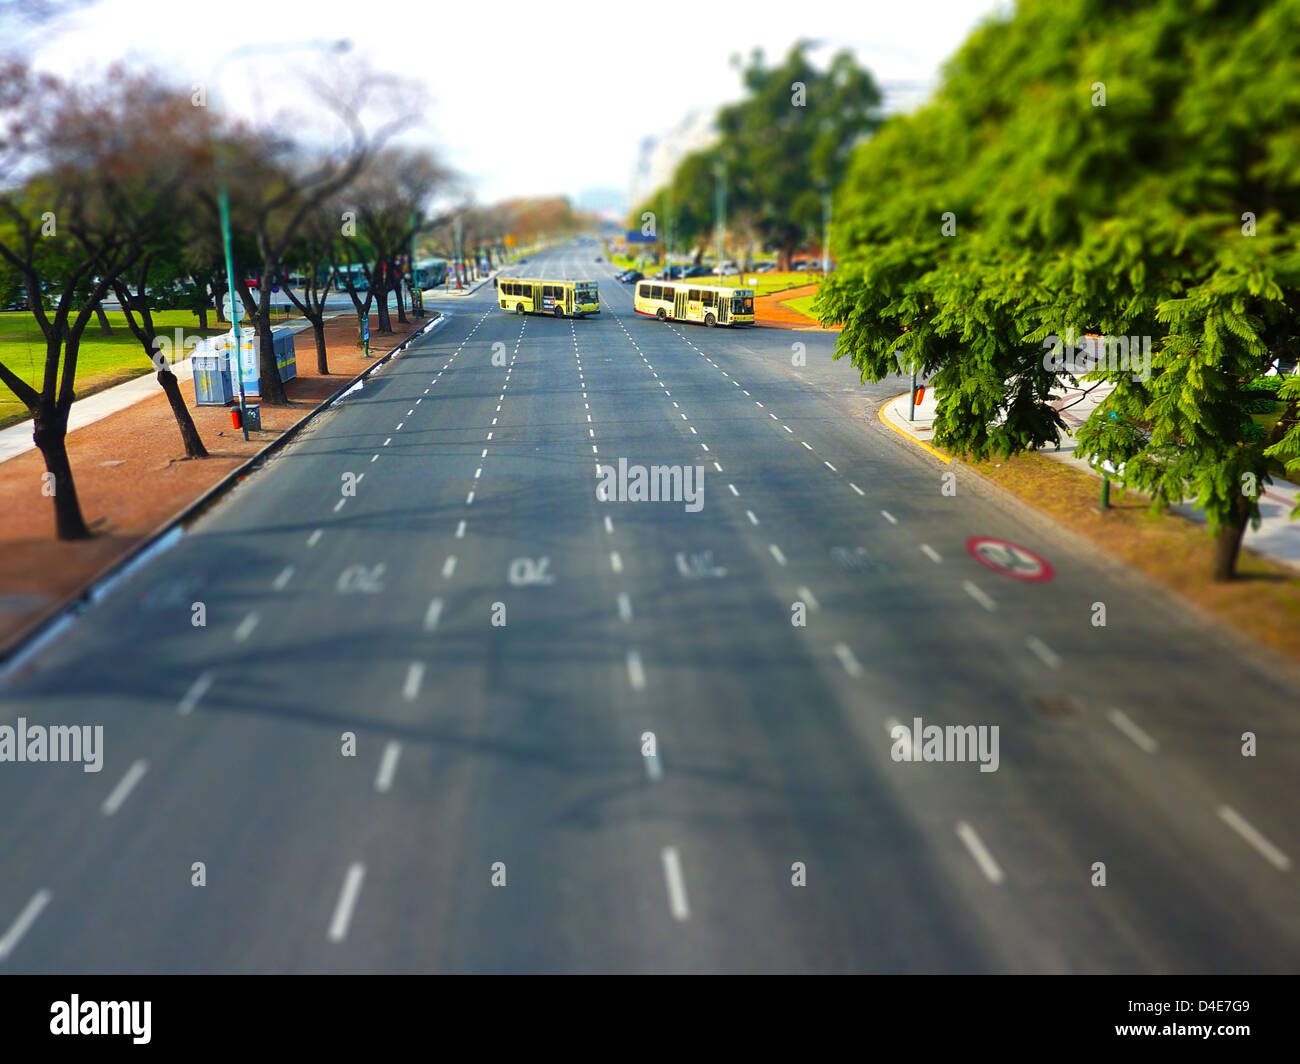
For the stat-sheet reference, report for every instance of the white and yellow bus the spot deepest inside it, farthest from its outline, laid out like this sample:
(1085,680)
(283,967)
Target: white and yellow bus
(574,299)
(685,301)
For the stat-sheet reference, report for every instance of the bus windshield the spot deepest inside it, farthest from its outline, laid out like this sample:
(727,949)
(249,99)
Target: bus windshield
(585,293)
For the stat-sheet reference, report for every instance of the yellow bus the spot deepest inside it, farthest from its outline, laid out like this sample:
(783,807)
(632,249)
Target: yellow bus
(561,298)
(686,301)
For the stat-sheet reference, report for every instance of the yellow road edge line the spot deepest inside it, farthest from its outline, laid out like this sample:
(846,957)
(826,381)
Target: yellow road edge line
(907,435)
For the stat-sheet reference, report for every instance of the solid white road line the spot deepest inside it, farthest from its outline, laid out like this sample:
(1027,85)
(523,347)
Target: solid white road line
(1046,654)
(197,690)
(980,852)
(246,627)
(979,596)
(635,671)
(847,659)
(25,920)
(286,574)
(1247,831)
(1121,720)
(414,677)
(388,767)
(677,902)
(124,787)
(347,902)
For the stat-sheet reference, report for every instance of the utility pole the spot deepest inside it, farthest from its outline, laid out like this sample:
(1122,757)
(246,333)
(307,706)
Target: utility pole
(224,202)
(720,208)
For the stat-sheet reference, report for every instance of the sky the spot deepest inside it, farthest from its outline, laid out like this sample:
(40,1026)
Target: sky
(522,98)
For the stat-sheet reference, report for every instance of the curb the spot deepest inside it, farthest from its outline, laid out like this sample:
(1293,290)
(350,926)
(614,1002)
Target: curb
(31,638)
(945,459)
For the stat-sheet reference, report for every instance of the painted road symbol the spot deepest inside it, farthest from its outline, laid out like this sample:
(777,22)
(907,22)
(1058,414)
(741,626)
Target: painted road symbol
(1009,559)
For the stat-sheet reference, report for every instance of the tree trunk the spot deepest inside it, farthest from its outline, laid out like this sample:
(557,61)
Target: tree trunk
(381,308)
(218,304)
(50,437)
(104,326)
(1227,542)
(189,433)
(401,305)
(322,361)
(268,373)
(203,318)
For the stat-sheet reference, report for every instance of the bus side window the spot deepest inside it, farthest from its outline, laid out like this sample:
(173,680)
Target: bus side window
(708,298)
(694,295)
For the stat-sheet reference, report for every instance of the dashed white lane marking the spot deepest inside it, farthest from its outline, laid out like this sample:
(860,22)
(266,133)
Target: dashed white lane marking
(432,614)
(931,553)
(1121,721)
(980,852)
(752,519)
(314,538)
(847,659)
(717,467)
(979,596)
(806,444)
(347,902)
(654,768)
(339,505)
(677,902)
(469,499)
(609,524)
(246,627)
(286,574)
(624,606)
(460,530)
(615,562)
(478,472)
(449,566)
(414,677)
(1252,835)
(35,905)
(776,553)
(1045,654)
(732,488)
(807,596)
(388,767)
(399,426)
(889,517)
(635,671)
(857,489)
(388,441)
(831,467)
(197,690)
(124,787)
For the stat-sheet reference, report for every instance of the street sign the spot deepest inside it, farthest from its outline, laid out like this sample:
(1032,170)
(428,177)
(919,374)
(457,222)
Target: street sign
(1010,559)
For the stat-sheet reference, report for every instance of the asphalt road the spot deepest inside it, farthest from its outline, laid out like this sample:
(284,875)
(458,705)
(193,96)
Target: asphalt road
(499,813)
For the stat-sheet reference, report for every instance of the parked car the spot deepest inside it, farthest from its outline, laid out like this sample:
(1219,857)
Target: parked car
(631,276)
(765,267)
(671,273)
(697,271)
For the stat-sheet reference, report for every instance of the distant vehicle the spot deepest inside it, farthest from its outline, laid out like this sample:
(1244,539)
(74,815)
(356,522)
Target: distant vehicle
(709,304)
(599,259)
(670,273)
(725,268)
(697,271)
(631,276)
(765,267)
(575,299)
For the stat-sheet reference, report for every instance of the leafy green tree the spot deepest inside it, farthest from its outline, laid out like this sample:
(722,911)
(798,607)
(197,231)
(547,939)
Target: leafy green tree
(1087,166)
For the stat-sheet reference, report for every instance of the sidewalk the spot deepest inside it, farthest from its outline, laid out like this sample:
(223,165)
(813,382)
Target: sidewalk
(17,439)
(1277,538)
(468,290)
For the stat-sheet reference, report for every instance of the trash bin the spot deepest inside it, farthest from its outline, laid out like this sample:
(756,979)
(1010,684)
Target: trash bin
(253,415)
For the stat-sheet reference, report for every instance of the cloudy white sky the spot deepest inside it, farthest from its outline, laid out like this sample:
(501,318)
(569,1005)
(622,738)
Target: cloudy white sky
(502,75)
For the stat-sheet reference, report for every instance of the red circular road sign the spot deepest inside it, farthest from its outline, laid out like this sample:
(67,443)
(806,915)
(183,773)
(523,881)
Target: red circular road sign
(1010,559)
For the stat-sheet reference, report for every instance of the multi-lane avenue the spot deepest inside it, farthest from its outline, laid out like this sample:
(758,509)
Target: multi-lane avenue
(471,717)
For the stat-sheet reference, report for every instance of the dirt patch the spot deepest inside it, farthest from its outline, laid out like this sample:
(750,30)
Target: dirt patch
(132,476)
(771,310)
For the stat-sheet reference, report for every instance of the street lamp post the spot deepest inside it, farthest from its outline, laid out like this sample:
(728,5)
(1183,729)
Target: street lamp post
(720,208)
